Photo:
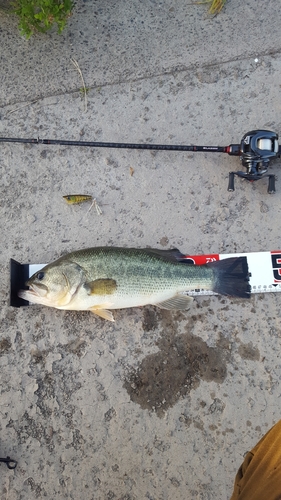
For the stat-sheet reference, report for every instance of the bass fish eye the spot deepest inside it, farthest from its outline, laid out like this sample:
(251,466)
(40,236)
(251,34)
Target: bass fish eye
(40,275)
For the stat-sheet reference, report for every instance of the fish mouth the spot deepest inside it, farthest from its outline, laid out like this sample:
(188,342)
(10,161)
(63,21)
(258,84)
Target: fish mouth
(38,290)
(35,294)
(38,294)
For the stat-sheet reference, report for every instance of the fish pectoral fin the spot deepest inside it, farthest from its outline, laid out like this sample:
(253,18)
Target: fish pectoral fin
(176,302)
(103,286)
(103,313)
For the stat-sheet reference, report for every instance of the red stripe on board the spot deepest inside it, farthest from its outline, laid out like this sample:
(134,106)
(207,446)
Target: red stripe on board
(199,260)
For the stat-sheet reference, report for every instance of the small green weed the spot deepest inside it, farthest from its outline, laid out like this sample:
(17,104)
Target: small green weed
(84,90)
(40,15)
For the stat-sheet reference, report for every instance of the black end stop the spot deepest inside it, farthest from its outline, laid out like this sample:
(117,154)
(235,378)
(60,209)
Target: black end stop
(19,274)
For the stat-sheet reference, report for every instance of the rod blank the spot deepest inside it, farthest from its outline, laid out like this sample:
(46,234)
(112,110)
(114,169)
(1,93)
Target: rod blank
(121,145)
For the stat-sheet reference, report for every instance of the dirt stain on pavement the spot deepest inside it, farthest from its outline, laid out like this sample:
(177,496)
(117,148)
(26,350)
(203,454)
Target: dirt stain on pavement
(181,362)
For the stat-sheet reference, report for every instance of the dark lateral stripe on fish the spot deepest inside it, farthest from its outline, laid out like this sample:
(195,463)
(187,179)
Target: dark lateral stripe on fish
(231,277)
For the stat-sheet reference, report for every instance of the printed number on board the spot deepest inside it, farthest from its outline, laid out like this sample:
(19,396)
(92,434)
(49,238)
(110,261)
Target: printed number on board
(276,266)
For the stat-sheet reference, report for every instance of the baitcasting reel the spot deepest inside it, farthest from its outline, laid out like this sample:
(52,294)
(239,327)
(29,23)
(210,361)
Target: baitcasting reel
(256,150)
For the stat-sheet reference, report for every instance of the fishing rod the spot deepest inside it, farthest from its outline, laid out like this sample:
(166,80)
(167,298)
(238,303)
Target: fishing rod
(256,149)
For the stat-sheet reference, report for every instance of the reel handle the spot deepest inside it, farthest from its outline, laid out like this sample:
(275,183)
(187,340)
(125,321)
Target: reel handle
(271,184)
(231,182)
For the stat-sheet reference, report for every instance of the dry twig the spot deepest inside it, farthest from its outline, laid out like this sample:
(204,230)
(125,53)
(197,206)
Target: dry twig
(84,89)
(20,107)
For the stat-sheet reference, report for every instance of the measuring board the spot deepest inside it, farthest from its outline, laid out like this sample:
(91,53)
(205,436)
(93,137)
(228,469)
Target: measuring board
(264,268)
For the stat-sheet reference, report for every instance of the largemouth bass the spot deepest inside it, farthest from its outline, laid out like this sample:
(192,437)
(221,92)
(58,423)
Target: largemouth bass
(103,278)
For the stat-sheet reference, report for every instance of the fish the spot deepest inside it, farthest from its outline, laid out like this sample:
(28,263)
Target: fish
(101,279)
(77,198)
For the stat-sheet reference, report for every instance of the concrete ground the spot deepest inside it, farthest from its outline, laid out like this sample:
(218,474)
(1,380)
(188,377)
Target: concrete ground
(158,405)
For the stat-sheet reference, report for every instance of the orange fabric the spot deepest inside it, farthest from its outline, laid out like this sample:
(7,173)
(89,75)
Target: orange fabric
(259,477)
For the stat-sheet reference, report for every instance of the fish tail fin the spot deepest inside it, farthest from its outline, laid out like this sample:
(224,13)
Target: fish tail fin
(231,277)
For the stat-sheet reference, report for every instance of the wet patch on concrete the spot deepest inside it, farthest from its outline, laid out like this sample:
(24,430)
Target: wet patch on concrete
(248,351)
(76,346)
(150,321)
(181,362)
(38,357)
(5,346)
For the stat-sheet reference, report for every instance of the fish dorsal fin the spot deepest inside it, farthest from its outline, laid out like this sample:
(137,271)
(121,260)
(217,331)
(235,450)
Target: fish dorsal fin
(103,313)
(173,254)
(103,286)
(176,302)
